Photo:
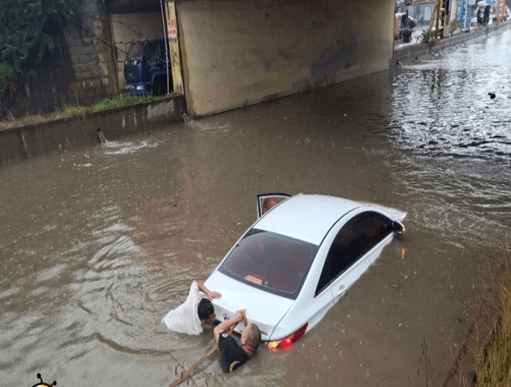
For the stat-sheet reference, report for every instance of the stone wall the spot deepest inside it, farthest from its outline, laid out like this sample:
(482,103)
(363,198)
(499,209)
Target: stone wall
(84,72)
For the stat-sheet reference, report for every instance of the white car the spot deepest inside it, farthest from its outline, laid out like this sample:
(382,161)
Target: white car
(295,262)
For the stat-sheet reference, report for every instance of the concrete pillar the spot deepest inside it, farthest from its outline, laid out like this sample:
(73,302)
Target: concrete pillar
(173,39)
(241,52)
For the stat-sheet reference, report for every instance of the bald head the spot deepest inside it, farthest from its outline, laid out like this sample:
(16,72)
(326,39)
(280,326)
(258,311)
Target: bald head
(253,337)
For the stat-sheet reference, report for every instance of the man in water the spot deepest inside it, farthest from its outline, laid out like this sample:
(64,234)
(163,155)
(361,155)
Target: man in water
(192,315)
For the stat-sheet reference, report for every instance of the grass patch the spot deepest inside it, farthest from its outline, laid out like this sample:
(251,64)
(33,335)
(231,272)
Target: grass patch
(123,100)
(493,363)
(485,358)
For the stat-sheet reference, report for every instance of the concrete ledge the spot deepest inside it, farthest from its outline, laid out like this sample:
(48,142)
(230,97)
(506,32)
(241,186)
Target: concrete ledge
(23,142)
(413,51)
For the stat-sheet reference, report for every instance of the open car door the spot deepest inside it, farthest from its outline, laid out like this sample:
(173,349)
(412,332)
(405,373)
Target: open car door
(269,200)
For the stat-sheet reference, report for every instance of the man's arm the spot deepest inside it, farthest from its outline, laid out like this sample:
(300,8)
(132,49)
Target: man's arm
(207,292)
(226,325)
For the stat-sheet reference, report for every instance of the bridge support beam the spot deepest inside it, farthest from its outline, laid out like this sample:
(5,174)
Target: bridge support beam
(235,53)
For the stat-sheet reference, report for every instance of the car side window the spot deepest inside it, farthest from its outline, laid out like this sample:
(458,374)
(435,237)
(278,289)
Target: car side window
(345,250)
(373,228)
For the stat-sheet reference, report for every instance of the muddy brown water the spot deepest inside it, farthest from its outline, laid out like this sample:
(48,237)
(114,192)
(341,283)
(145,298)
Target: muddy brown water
(98,243)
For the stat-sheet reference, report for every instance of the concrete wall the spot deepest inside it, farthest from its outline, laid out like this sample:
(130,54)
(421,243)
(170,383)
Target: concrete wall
(127,27)
(241,52)
(21,143)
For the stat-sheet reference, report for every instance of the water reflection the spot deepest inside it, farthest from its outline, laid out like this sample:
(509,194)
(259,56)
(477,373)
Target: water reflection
(466,111)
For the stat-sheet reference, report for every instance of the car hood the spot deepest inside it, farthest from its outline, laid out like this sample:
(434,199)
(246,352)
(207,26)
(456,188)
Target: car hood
(263,308)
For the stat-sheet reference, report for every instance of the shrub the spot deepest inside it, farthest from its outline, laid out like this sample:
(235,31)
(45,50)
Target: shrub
(426,36)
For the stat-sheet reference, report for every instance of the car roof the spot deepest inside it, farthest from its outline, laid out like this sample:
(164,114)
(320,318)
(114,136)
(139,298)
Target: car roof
(306,217)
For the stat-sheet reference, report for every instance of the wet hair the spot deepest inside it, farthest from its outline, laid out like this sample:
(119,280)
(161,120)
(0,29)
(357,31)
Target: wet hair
(205,309)
(253,337)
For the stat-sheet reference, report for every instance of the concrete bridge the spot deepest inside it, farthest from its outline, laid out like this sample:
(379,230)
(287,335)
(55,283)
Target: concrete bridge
(231,53)
(225,53)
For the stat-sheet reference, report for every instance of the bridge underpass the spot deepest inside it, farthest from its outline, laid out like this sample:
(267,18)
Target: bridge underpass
(227,54)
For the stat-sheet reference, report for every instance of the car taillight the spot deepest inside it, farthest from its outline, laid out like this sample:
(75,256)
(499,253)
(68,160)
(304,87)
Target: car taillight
(288,341)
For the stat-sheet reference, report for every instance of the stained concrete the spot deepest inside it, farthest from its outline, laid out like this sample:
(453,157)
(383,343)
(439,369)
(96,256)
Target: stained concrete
(241,52)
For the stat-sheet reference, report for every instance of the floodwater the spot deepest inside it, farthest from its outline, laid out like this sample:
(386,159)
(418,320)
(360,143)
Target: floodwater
(98,243)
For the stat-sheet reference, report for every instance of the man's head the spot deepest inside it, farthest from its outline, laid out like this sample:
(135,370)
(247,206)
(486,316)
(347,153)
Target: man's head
(206,312)
(251,338)
(268,203)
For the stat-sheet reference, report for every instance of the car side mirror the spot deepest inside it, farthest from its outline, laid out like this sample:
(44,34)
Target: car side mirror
(398,228)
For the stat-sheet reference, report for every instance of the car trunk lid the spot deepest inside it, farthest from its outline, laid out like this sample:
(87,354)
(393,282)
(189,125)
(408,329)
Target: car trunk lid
(263,308)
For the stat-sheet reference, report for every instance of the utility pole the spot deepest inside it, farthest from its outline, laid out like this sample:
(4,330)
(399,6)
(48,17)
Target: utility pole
(439,16)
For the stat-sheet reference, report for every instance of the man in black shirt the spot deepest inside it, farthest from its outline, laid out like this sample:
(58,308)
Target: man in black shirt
(487,14)
(232,354)
(404,21)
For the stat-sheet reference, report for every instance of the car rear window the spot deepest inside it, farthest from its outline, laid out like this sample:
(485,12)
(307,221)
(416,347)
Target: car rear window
(269,261)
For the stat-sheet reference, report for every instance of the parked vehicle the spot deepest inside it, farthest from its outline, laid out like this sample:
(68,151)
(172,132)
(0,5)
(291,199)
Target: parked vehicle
(146,67)
(295,262)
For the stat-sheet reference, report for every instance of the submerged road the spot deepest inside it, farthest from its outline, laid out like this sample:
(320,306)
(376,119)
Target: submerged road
(98,243)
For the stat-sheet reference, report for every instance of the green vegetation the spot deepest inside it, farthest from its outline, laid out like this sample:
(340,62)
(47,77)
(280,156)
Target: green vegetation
(79,111)
(426,36)
(485,358)
(32,30)
(7,77)
(8,83)
(493,363)
(121,101)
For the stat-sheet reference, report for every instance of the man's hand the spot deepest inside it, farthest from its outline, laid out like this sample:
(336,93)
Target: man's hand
(227,325)
(245,322)
(207,292)
(212,295)
(241,315)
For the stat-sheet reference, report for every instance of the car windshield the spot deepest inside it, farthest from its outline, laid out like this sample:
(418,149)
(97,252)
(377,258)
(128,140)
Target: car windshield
(135,51)
(271,262)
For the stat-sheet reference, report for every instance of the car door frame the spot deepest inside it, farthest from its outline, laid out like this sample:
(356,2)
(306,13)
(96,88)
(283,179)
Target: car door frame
(280,197)
(315,305)
(348,277)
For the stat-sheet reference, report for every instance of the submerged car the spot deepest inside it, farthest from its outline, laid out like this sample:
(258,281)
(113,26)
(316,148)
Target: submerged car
(295,262)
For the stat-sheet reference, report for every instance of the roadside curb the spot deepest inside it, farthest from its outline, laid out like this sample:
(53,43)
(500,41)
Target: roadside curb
(23,142)
(414,51)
